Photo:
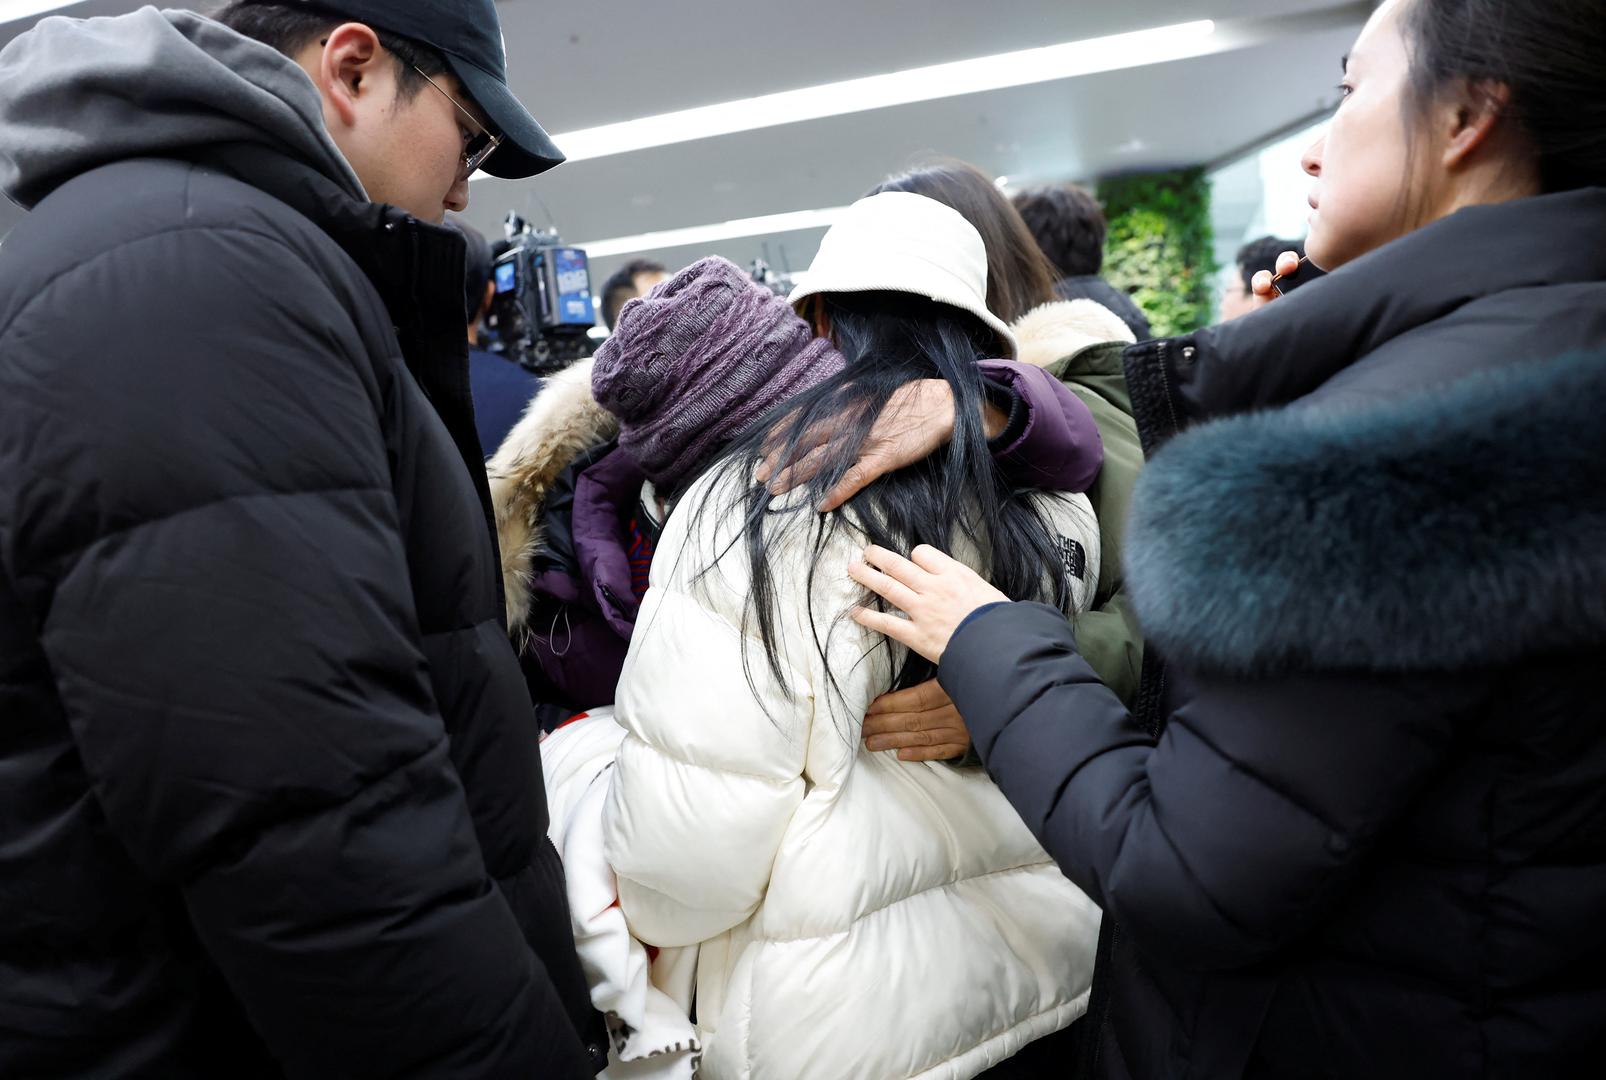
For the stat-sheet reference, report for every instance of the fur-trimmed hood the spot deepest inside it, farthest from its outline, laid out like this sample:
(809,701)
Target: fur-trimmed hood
(561,422)
(1440,532)
(1063,328)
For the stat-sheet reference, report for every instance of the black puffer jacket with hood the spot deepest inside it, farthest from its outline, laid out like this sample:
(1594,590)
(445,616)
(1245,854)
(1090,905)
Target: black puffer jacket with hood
(1355,824)
(270,796)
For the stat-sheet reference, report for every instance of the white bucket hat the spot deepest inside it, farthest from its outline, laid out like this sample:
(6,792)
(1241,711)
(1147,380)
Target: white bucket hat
(901,242)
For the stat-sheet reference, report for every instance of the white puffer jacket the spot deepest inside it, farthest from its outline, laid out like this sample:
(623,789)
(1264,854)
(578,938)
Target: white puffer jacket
(859,917)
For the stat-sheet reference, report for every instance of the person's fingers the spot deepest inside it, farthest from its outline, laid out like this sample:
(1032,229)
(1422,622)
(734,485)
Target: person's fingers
(896,567)
(775,457)
(855,480)
(948,745)
(931,560)
(923,698)
(1287,263)
(1261,284)
(938,721)
(898,740)
(881,724)
(766,466)
(799,472)
(900,725)
(940,752)
(889,589)
(771,452)
(900,630)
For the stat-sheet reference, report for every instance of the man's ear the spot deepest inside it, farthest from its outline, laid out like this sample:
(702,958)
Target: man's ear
(1471,117)
(345,69)
(485,305)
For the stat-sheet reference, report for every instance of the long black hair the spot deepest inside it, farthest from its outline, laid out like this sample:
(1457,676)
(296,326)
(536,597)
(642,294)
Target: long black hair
(956,497)
(1551,54)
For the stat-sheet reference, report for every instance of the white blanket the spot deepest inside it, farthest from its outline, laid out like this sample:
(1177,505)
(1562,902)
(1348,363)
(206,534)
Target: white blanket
(646,1002)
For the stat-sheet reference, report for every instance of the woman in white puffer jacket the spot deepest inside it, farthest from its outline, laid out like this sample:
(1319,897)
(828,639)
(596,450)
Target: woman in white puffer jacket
(857,916)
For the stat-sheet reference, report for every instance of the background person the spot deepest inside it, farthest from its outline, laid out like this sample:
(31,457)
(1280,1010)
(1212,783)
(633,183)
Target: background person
(638,277)
(1070,229)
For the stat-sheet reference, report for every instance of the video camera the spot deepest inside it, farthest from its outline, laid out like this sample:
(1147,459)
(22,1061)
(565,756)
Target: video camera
(764,274)
(543,309)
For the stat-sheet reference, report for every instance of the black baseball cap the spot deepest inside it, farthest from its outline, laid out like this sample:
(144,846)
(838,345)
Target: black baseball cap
(468,33)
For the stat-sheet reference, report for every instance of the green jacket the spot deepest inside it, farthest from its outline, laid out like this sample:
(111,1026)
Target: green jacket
(1081,344)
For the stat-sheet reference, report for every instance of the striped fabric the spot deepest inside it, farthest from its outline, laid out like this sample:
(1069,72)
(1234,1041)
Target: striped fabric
(640,553)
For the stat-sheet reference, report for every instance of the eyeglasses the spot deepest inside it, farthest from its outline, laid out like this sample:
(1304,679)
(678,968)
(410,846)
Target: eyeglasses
(481,146)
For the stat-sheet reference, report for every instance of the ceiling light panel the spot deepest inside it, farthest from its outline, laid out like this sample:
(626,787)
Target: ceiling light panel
(713,234)
(998,72)
(12,10)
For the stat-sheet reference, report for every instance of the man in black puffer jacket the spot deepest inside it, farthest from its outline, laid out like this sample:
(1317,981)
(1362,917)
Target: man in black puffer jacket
(272,802)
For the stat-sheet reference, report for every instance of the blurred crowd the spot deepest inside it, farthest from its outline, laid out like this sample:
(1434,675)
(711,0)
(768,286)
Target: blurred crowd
(928,672)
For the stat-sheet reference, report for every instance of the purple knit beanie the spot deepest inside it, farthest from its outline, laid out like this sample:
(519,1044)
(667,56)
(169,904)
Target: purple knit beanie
(694,363)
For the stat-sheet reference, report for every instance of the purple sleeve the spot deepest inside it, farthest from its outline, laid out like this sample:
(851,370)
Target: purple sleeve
(1058,447)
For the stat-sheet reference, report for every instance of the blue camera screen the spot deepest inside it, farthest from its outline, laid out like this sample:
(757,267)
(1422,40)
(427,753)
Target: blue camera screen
(574,307)
(507,277)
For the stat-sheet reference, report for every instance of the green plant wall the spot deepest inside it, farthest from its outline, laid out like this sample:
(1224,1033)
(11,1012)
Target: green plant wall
(1161,247)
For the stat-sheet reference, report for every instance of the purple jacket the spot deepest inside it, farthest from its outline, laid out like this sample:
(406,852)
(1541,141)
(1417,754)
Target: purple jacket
(1051,442)
(582,651)
(1054,444)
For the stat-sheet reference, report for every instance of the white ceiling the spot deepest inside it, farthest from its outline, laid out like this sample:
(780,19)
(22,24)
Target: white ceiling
(580,64)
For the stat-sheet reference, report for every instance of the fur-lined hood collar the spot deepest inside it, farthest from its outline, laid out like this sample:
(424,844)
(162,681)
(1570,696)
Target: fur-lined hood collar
(1057,330)
(1441,532)
(560,423)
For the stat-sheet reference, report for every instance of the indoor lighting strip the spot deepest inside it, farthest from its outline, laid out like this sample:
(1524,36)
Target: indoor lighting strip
(1022,68)
(710,234)
(1046,64)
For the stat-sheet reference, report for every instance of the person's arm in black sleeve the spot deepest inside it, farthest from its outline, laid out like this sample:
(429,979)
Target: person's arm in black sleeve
(200,514)
(1225,839)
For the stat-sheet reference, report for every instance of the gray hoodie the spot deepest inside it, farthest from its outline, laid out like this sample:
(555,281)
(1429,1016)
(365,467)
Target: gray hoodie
(76,94)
